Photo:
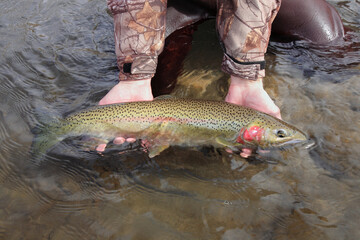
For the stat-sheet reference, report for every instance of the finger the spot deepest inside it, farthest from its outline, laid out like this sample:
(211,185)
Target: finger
(277,113)
(119,140)
(131,140)
(273,109)
(263,151)
(246,153)
(228,150)
(101,147)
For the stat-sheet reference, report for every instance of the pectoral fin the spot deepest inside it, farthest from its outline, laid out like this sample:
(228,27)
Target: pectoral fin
(155,150)
(226,143)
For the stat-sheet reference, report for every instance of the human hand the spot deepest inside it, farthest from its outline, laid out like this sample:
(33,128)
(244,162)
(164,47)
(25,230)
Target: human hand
(126,91)
(251,94)
(129,91)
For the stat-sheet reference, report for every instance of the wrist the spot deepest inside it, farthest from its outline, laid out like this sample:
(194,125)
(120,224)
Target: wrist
(241,88)
(242,82)
(142,82)
(129,91)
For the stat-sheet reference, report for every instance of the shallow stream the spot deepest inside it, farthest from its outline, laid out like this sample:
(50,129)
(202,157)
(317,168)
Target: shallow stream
(57,57)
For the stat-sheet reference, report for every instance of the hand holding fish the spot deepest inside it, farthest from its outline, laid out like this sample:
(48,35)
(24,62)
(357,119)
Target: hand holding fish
(129,91)
(251,94)
(124,91)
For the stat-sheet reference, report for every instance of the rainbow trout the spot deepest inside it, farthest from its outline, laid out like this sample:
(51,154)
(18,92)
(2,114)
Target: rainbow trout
(173,121)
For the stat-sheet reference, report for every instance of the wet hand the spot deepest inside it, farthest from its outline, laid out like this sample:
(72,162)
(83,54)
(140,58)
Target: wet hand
(126,91)
(251,94)
(129,91)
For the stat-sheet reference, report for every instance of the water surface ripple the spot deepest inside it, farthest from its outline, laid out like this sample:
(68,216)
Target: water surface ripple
(57,57)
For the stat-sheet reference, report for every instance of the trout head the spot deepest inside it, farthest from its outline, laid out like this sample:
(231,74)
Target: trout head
(270,133)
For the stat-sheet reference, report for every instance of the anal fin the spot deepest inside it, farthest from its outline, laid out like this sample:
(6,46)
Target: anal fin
(155,150)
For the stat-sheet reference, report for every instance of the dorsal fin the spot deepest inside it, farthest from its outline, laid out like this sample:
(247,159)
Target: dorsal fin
(164,97)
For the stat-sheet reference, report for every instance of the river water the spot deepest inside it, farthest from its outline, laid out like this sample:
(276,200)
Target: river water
(57,57)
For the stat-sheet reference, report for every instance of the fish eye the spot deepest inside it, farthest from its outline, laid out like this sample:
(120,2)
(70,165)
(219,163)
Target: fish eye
(281,133)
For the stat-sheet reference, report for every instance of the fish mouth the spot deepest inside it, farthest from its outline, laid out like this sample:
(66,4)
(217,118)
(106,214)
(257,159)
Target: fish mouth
(305,143)
(292,142)
(310,144)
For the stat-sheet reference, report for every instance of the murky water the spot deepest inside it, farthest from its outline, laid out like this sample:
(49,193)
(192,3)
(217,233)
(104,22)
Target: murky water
(58,57)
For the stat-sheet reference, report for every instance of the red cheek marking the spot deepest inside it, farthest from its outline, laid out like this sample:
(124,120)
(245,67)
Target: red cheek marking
(240,140)
(251,134)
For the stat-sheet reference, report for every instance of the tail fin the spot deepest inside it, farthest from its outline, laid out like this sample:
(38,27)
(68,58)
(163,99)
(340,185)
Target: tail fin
(45,137)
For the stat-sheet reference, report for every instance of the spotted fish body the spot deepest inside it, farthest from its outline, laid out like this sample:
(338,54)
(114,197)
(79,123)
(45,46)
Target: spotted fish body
(182,122)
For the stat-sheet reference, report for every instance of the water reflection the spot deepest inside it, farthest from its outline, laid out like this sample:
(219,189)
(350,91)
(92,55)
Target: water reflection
(58,57)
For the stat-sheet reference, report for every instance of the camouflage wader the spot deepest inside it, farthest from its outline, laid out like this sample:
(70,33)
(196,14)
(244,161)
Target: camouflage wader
(244,28)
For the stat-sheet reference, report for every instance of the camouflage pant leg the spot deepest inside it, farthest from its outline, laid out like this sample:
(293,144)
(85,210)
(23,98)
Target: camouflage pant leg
(244,27)
(139,28)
